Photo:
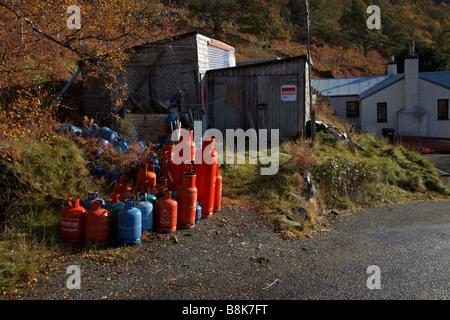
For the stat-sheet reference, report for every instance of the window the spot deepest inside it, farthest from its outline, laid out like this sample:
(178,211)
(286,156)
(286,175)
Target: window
(381,112)
(352,109)
(443,109)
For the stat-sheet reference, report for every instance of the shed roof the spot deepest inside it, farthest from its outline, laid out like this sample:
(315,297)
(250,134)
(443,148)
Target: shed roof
(258,63)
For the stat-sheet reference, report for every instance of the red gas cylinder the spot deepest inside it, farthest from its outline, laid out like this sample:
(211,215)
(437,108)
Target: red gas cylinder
(125,192)
(168,147)
(218,191)
(187,139)
(192,143)
(170,169)
(166,219)
(206,173)
(179,170)
(187,201)
(122,180)
(96,224)
(72,222)
(146,177)
(162,186)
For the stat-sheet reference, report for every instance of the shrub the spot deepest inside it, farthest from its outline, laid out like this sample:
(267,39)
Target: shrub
(341,179)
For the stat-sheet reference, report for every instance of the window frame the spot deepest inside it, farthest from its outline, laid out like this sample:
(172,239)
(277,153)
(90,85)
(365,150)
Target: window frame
(356,115)
(445,117)
(382,120)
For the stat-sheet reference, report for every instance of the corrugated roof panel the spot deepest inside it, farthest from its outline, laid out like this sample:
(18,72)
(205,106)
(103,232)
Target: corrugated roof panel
(218,58)
(346,86)
(394,78)
(441,78)
(366,86)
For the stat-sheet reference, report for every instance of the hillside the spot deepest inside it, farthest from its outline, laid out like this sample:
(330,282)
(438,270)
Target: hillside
(41,167)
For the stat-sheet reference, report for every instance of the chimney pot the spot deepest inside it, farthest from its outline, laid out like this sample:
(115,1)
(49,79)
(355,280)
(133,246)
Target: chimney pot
(392,66)
(412,48)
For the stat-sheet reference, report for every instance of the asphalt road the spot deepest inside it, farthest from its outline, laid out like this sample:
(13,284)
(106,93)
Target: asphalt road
(235,256)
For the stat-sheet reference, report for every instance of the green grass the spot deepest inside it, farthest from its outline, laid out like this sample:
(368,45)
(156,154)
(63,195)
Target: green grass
(37,179)
(380,174)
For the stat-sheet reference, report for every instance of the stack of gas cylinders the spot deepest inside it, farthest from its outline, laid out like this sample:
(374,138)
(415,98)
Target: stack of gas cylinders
(168,195)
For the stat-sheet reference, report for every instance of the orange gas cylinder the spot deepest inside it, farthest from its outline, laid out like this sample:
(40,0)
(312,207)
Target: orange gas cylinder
(96,224)
(168,147)
(166,219)
(170,170)
(159,189)
(122,180)
(187,202)
(126,192)
(179,170)
(72,222)
(206,173)
(218,191)
(187,140)
(192,143)
(146,177)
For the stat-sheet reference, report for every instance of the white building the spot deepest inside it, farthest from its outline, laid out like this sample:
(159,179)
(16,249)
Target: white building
(413,104)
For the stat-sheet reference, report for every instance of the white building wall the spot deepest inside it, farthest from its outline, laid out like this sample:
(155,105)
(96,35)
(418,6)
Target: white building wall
(339,104)
(429,94)
(394,97)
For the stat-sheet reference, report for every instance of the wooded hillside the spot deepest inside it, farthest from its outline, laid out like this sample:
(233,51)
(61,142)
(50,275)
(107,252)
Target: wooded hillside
(39,52)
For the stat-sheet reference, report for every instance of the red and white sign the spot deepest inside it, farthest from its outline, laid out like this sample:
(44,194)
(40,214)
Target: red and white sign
(289,92)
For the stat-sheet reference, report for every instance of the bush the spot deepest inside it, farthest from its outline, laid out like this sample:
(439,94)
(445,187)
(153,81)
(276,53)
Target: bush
(342,180)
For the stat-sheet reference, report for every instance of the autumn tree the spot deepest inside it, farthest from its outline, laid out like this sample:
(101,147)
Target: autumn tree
(216,11)
(37,47)
(268,19)
(353,24)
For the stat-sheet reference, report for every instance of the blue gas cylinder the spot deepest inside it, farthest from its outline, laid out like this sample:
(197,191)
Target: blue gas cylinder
(87,204)
(100,132)
(107,134)
(89,132)
(153,200)
(102,143)
(123,145)
(157,169)
(129,223)
(198,213)
(171,117)
(146,208)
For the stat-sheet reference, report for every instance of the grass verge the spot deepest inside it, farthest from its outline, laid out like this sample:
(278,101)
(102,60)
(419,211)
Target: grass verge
(377,174)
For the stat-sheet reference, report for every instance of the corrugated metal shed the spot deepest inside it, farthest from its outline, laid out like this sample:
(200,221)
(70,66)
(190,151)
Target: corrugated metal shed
(156,71)
(256,89)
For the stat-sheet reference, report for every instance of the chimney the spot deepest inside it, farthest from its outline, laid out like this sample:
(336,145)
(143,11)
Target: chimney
(392,66)
(411,78)
(412,120)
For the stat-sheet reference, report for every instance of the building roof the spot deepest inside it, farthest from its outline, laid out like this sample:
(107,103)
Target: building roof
(260,63)
(390,80)
(441,78)
(346,86)
(364,87)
